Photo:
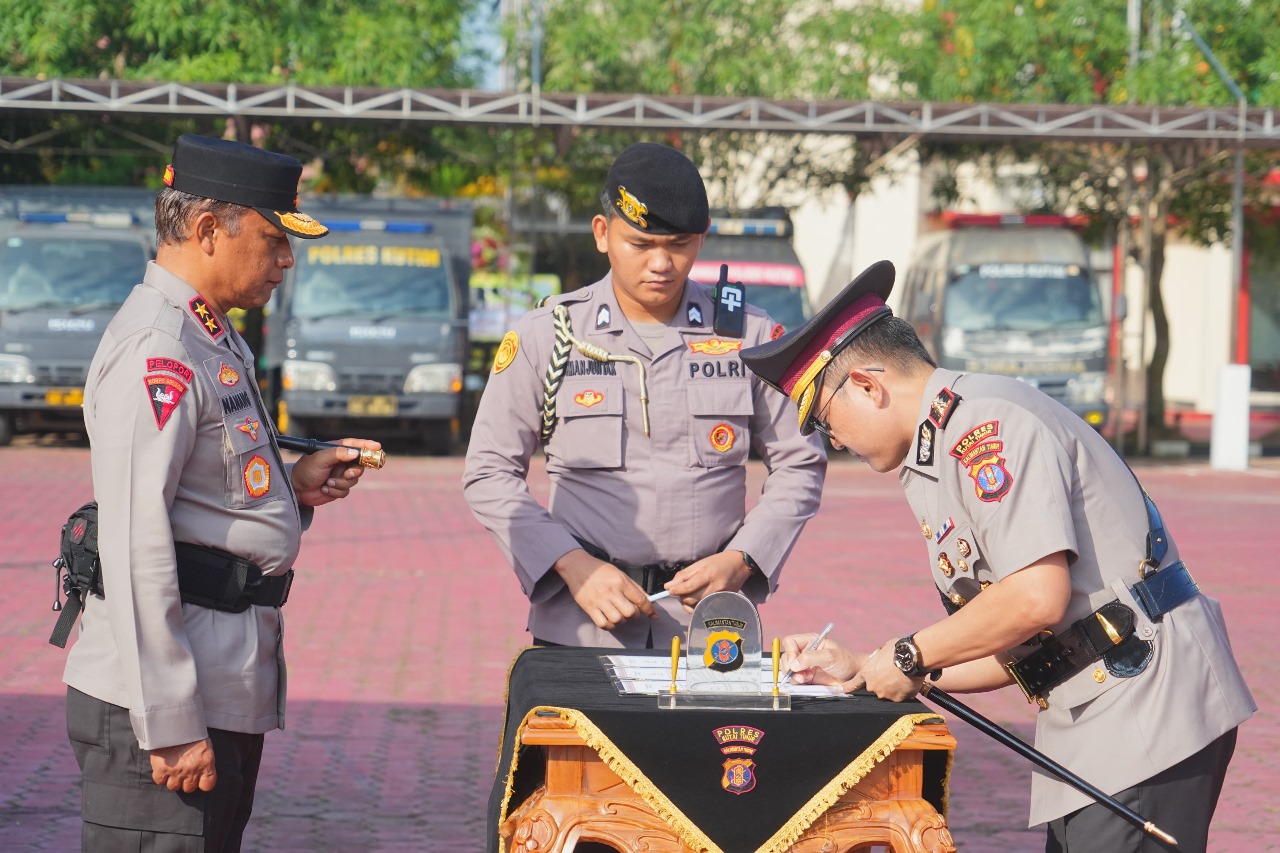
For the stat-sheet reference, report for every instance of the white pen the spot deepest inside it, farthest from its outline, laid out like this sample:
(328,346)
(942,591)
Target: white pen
(817,641)
(658,596)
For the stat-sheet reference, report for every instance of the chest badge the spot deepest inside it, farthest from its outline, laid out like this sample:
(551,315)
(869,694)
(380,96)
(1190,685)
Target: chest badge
(588,398)
(944,530)
(925,529)
(944,565)
(227,375)
(250,427)
(257,477)
(714,346)
(722,438)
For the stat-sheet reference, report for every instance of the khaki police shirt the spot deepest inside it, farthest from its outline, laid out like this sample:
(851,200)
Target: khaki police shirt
(1014,477)
(181,451)
(676,496)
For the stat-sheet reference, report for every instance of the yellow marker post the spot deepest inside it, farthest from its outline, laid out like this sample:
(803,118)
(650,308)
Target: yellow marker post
(777,661)
(675,660)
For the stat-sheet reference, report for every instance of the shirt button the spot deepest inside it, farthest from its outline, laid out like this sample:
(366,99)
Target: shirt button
(1099,675)
(1147,632)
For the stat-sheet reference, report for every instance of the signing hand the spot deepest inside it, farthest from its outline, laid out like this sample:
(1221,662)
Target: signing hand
(722,572)
(830,663)
(185,767)
(602,590)
(328,474)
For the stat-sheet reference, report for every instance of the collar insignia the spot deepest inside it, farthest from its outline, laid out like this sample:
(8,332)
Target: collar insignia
(603,317)
(695,314)
(942,406)
(924,446)
(206,318)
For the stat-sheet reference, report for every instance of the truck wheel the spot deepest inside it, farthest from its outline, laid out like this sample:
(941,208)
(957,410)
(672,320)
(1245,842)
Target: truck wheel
(437,439)
(6,430)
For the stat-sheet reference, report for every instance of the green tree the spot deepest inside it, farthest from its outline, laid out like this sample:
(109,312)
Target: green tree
(1041,51)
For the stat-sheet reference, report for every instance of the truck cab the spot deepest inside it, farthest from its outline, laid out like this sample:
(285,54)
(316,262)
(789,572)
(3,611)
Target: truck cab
(756,246)
(1014,295)
(368,333)
(67,262)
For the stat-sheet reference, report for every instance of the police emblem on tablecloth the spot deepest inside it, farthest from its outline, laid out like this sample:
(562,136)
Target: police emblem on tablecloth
(227,375)
(715,346)
(506,352)
(979,451)
(694,313)
(631,207)
(250,427)
(206,318)
(164,392)
(603,317)
(722,438)
(739,743)
(257,477)
(588,398)
(724,651)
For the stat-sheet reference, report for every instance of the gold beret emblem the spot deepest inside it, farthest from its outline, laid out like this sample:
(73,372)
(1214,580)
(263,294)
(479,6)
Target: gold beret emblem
(632,207)
(301,223)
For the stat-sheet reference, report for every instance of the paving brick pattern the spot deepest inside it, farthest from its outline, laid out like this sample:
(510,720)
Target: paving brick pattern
(404,621)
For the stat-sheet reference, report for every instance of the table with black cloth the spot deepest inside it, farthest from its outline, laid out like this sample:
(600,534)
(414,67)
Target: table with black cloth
(568,732)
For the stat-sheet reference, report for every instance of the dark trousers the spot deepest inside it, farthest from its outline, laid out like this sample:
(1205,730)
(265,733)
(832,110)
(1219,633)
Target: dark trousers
(124,810)
(1179,800)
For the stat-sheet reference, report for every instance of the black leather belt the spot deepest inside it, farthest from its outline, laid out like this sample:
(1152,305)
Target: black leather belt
(651,577)
(208,577)
(1102,634)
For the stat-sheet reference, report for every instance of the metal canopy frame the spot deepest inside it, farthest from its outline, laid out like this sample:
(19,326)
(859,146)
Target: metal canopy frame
(938,121)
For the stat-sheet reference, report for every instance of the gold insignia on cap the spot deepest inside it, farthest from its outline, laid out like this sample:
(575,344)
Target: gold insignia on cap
(506,352)
(168,175)
(632,207)
(301,223)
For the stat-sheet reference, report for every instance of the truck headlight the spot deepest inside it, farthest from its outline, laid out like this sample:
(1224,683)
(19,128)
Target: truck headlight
(1087,387)
(16,368)
(309,376)
(434,379)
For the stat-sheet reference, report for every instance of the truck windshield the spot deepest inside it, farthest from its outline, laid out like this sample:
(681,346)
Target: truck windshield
(786,305)
(1021,297)
(81,274)
(371,280)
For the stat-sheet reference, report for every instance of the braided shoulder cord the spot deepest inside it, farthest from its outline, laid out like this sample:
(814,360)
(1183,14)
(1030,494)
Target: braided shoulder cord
(555,370)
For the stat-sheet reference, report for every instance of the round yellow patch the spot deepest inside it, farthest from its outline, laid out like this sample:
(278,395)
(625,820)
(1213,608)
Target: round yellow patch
(257,477)
(301,223)
(722,437)
(506,352)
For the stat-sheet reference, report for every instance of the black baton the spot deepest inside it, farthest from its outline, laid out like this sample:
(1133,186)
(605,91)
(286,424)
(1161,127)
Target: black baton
(367,459)
(945,700)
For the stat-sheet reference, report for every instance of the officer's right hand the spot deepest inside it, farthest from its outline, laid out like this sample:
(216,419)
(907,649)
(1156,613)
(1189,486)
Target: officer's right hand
(603,590)
(185,767)
(830,663)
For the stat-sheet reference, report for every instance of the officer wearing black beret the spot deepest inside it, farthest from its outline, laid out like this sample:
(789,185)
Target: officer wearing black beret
(1055,567)
(178,669)
(635,391)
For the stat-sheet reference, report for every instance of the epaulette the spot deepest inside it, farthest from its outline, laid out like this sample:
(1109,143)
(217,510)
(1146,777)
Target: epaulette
(554,299)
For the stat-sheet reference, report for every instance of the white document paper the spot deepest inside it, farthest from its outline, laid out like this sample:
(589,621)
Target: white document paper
(649,675)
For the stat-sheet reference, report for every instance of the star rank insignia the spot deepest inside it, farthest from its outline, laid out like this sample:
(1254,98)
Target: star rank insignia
(206,318)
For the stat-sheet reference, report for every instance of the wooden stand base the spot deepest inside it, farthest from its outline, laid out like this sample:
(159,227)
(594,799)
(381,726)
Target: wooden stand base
(583,800)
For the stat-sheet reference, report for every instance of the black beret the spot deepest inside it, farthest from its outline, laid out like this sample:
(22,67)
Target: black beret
(658,190)
(242,174)
(793,363)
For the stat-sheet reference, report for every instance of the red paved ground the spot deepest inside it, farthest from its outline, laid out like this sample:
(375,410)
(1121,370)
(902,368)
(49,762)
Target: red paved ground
(404,619)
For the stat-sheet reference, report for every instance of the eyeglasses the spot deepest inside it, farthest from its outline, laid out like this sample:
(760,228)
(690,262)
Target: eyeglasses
(820,420)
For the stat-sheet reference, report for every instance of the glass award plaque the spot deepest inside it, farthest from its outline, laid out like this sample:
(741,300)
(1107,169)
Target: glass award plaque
(724,660)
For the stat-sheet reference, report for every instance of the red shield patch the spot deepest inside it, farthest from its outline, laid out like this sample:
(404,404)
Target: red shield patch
(164,392)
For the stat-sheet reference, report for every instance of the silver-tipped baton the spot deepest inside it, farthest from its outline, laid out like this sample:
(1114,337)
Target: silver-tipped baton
(946,701)
(367,458)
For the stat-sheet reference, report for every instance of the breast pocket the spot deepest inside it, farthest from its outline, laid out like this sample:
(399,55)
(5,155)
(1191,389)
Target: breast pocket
(253,469)
(589,434)
(720,423)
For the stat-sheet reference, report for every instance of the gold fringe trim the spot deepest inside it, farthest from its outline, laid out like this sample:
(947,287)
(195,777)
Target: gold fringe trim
(506,700)
(851,775)
(689,833)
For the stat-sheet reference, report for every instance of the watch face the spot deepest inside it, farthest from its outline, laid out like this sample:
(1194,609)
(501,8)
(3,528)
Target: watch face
(905,657)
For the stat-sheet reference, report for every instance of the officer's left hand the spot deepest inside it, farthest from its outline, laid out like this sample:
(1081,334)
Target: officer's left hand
(882,677)
(330,473)
(726,571)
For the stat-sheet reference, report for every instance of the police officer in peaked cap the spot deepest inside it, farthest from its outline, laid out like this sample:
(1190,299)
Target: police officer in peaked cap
(1053,564)
(645,415)
(177,671)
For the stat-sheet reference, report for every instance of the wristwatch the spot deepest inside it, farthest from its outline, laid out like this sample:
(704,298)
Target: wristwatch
(907,657)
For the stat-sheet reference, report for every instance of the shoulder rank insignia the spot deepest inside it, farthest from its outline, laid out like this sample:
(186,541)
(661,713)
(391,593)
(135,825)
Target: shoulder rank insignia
(942,406)
(979,451)
(227,375)
(164,392)
(694,314)
(924,446)
(715,346)
(506,352)
(777,332)
(205,317)
(603,317)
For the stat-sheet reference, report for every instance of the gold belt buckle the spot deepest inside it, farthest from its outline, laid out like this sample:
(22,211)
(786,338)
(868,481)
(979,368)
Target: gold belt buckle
(1032,698)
